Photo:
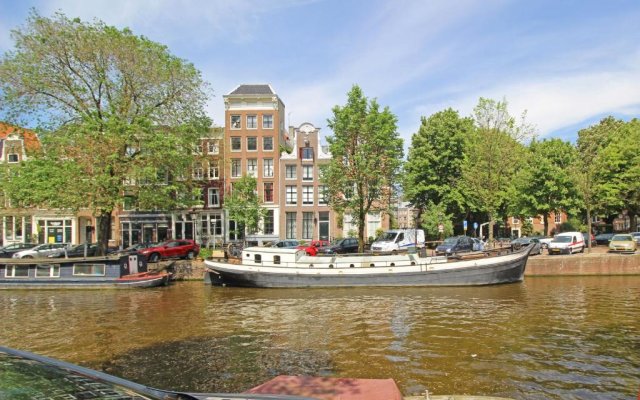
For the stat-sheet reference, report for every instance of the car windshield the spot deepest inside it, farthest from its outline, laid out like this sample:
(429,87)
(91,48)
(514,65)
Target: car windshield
(621,238)
(40,247)
(336,242)
(562,239)
(388,236)
(451,240)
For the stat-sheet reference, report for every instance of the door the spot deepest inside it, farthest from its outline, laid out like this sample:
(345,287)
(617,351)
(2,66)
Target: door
(323,225)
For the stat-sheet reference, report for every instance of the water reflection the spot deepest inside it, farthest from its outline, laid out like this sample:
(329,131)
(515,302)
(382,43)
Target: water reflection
(546,338)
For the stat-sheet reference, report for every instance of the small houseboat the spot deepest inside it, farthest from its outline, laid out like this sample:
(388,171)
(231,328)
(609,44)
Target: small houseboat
(120,272)
(274,267)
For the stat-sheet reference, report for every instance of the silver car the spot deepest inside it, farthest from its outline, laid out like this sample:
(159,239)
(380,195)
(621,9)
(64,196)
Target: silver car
(41,250)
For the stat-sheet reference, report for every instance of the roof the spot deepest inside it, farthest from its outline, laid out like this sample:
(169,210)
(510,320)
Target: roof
(30,138)
(253,89)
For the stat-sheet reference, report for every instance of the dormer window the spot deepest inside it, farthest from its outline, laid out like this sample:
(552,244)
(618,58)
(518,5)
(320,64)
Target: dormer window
(12,158)
(306,153)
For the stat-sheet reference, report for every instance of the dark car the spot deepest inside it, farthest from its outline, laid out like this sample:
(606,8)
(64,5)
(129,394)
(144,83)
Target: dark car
(604,238)
(9,250)
(454,245)
(175,248)
(80,250)
(525,241)
(340,246)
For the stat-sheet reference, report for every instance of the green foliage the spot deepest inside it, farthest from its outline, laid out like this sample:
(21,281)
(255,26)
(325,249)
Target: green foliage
(527,227)
(544,184)
(244,205)
(366,157)
(434,164)
(113,109)
(434,215)
(493,155)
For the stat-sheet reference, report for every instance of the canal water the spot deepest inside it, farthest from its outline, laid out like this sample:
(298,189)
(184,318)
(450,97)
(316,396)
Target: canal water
(546,338)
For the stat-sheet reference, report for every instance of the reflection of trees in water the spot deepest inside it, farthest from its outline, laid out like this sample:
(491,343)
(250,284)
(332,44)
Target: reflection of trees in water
(231,364)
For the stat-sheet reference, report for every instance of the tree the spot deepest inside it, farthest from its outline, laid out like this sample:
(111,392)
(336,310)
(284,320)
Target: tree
(118,114)
(493,155)
(545,185)
(434,215)
(434,164)
(244,206)
(366,158)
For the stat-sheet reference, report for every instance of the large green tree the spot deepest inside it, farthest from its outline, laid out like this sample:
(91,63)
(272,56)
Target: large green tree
(434,165)
(121,115)
(244,206)
(366,155)
(494,153)
(543,183)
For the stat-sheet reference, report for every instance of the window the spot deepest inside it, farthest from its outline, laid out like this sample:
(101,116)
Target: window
(214,170)
(47,271)
(307,153)
(267,143)
(268,223)
(267,121)
(307,172)
(307,225)
(307,195)
(515,220)
(89,269)
(236,143)
(129,203)
(198,172)
(290,227)
(235,122)
(267,171)
(252,122)
(214,197)
(292,195)
(236,168)
(252,143)
(16,271)
(290,172)
(197,148)
(268,192)
(213,147)
(558,218)
(322,195)
(252,167)
(12,157)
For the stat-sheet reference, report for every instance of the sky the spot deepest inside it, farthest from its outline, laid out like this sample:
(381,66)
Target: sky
(567,64)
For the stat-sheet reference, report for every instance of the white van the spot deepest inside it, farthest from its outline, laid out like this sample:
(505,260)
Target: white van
(399,239)
(566,242)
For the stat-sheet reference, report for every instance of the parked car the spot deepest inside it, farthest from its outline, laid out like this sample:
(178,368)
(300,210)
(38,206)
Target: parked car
(312,248)
(454,245)
(340,246)
(623,243)
(566,242)
(589,238)
(604,238)
(41,250)
(135,248)
(9,250)
(174,248)
(526,241)
(544,241)
(636,237)
(478,245)
(80,250)
(285,244)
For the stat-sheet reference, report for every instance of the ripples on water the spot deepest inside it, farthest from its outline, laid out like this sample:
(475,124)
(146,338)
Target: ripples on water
(548,338)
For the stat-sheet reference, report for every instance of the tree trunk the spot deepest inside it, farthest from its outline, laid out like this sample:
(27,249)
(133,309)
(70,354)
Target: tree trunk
(104,228)
(589,229)
(361,234)
(545,220)
(491,224)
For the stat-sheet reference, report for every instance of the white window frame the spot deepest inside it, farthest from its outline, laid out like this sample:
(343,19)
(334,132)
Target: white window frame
(291,195)
(264,124)
(287,169)
(557,218)
(253,124)
(321,195)
(213,147)
(213,193)
(305,173)
(264,139)
(17,158)
(239,141)
(54,271)
(256,143)
(236,173)
(99,267)
(13,268)
(267,168)
(198,171)
(252,167)
(237,124)
(214,171)
(307,195)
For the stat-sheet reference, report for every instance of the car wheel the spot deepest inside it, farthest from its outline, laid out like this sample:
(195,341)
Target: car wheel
(27,256)
(190,255)
(582,249)
(154,257)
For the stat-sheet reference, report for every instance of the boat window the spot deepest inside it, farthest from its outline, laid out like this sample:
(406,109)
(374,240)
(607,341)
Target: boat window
(17,271)
(276,259)
(257,258)
(89,269)
(392,265)
(351,266)
(48,271)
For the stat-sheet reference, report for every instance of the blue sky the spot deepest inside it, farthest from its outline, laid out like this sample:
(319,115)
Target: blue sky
(567,63)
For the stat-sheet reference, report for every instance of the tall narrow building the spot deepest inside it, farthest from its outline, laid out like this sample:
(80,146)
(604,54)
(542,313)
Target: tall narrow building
(254,136)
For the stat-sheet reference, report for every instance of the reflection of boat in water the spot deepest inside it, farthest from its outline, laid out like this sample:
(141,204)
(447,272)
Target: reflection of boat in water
(124,272)
(271,267)
(29,376)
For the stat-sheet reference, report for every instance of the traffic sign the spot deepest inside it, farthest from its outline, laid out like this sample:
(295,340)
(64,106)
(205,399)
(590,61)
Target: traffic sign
(464,224)
(475,225)
(440,228)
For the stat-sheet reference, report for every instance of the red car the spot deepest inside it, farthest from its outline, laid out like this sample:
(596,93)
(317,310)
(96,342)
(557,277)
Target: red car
(312,248)
(175,248)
